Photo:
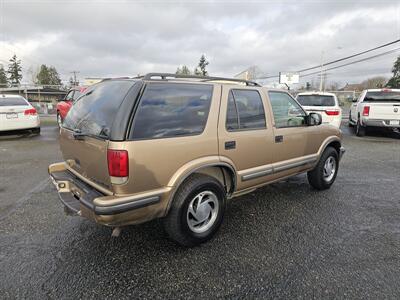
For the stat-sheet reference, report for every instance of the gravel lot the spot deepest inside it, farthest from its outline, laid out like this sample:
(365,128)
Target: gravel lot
(283,241)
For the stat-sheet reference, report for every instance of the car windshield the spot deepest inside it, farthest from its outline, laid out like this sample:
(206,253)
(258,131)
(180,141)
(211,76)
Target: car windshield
(94,112)
(316,100)
(382,96)
(12,101)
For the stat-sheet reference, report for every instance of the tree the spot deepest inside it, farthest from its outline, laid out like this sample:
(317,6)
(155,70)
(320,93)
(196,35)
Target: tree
(184,70)
(14,70)
(374,82)
(394,82)
(201,68)
(48,75)
(3,77)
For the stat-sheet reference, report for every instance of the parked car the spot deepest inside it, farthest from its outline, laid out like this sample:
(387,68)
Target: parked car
(376,108)
(64,106)
(16,113)
(323,103)
(177,147)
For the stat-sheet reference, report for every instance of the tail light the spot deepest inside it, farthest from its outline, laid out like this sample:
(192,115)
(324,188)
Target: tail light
(365,111)
(30,112)
(118,163)
(332,112)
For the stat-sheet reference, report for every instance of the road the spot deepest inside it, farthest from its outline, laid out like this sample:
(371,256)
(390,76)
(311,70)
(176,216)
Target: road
(282,241)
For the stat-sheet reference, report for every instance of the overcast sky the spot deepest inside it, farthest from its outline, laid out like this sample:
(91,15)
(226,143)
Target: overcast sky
(125,38)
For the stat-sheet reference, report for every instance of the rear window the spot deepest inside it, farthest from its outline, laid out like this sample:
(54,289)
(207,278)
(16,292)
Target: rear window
(12,101)
(382,96)
(171,110)
(316,100)
(94,112)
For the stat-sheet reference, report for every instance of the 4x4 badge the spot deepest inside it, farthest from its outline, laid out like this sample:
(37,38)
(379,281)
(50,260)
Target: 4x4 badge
(395,109)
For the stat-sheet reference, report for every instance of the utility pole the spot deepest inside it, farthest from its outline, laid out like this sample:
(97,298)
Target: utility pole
(75,72)
(322,70)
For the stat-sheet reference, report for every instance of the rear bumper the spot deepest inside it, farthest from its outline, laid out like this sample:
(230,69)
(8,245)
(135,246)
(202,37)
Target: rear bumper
(82,199)
(379,123)
(8,125)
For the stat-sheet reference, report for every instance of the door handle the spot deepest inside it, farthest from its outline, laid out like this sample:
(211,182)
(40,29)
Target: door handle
(230,145)
(279,139)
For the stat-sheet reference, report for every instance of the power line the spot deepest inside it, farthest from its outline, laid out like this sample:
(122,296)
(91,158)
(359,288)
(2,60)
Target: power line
(337,60)
(354,62)
(350,56)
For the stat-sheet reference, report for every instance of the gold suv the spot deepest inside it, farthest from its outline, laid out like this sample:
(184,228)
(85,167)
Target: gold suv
(177,147)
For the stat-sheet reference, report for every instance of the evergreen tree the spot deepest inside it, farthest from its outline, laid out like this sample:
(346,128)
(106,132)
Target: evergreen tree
(201,68)
(184,70)
(14,71)
(48,75)
(3,77)
(394,82)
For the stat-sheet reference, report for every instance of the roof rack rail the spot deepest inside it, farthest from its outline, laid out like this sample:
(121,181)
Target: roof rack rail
(165,76)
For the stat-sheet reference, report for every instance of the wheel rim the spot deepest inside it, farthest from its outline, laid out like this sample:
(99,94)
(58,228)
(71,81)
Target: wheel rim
(329,168)
(202,212)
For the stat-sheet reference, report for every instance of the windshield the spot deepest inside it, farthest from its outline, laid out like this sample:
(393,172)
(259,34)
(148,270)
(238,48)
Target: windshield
(12,101)
(94,112)
(316,100)
(382,96)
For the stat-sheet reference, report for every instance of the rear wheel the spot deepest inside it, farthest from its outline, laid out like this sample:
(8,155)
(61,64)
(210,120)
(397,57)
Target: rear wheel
(360,130)
(324,174)
(197,211)
(36,130)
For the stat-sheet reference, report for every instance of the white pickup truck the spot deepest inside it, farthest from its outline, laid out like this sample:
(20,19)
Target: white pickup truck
(376,108)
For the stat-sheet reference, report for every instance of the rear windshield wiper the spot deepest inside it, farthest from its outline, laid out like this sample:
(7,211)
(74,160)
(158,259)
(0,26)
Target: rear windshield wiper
(79,135)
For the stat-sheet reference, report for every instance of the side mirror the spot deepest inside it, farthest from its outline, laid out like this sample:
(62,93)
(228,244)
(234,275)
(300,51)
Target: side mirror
(314,119)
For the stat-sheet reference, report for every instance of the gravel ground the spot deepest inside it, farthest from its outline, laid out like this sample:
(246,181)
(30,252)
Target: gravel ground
(282,241)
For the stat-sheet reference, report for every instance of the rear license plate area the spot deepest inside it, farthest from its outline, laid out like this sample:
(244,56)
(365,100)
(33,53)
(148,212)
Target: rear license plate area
(11,115)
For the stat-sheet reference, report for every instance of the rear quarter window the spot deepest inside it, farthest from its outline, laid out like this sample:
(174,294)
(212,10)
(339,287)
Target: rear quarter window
(172,110)
(94,112)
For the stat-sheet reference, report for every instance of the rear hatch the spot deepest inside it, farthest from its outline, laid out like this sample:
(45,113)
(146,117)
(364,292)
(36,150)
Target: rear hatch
(384,105)
(86,129)
(325,105)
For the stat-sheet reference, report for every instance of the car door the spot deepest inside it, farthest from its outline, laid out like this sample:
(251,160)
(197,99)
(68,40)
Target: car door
(245,134)
(295,143)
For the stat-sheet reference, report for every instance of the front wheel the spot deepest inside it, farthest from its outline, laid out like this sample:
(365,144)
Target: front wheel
(197,211)
(59,120)
(324,174)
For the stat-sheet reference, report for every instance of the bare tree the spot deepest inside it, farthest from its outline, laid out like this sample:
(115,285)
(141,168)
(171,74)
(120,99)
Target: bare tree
(374,82)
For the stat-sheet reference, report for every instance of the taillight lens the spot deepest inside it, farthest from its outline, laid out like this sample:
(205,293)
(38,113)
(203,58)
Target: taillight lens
(30,112)
(118,163)
(332,112)
(366,111)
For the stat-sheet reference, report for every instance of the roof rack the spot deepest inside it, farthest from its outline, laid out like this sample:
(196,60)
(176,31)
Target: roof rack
(166,76)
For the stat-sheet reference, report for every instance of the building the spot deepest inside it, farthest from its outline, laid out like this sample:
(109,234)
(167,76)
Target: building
(49,94)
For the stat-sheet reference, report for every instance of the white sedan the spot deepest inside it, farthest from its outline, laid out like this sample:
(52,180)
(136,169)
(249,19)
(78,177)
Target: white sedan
(323,103)
(16,113)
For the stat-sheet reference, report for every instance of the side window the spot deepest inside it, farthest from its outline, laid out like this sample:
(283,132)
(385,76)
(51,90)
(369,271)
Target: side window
(172,110)
(68,97)
(287,112)
(245,110)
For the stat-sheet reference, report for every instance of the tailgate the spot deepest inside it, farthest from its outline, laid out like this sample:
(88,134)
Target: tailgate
(88,156)
(386,111)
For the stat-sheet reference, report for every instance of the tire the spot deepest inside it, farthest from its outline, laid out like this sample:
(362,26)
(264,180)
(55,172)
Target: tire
(180,223)
(360,130)
(36,130)
(319,178)
(59,120)
(350,120)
